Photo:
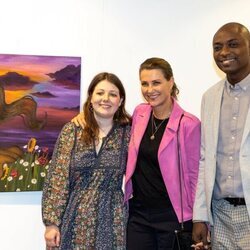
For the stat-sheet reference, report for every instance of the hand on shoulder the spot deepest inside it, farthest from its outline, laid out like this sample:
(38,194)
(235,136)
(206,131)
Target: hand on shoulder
(79,120)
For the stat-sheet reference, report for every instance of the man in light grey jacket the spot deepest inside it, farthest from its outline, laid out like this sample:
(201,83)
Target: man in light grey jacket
(223,190)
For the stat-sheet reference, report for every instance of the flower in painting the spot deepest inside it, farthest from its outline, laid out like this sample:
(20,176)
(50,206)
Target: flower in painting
(42,174)
(25,164)
(45,150)
(31,145)
(14,173)
(18,190)
(34,181)
(5,171)
(21,161)
(42,160)
(10,178)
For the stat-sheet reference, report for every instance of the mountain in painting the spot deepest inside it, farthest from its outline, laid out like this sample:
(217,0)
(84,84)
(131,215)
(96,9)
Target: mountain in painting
(14,80)
(70,75)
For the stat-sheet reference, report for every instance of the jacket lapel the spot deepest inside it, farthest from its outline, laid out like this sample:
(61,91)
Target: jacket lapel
(141,125)
(141,121)
(172,127)
(246,129)
(215,108)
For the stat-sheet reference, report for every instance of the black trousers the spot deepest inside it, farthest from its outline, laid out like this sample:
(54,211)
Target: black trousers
(152,229)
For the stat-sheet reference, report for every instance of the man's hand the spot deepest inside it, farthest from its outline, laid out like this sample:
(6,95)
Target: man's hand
(200,236)
(79,120)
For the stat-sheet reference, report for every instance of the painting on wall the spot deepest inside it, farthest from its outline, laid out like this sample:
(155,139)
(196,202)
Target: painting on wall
(38,95)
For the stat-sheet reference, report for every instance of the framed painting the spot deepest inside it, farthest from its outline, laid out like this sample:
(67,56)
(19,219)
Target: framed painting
(38,95)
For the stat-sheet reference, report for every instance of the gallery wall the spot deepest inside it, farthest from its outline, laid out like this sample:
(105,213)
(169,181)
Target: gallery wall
(115,36)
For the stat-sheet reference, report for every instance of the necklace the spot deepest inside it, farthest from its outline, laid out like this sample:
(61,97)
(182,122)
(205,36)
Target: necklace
(103,132)
(152,137)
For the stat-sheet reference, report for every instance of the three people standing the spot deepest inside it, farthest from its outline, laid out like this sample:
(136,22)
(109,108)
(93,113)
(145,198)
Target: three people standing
(222,198)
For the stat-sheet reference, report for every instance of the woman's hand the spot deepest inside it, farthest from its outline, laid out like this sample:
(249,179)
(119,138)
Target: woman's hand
(79,120)
(52,237)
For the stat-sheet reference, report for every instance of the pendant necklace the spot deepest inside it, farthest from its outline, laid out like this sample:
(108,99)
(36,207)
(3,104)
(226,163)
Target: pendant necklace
(156,128)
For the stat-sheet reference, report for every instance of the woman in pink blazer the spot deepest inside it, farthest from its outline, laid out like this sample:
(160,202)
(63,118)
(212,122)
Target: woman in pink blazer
(152,185)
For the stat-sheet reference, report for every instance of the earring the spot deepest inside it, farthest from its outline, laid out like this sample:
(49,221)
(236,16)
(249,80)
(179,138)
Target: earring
(91,108)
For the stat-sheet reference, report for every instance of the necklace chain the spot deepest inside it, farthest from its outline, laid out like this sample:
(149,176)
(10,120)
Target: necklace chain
(104,131)
(152,137)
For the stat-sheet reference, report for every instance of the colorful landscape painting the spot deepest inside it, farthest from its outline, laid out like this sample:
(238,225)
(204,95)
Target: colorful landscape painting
(38,95)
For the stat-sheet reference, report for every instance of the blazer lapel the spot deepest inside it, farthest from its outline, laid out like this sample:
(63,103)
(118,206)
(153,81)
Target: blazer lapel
(141,121)
(141,125)
(246,129)
(166,139)
(215,108)
(172,127)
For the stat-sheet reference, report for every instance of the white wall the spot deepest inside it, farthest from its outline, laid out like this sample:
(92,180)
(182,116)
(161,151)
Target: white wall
(112,35)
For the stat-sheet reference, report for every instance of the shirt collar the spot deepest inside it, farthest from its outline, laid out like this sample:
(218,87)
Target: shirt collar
(243,84)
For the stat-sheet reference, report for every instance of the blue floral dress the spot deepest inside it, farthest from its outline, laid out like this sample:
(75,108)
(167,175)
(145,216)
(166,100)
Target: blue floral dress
(83,195)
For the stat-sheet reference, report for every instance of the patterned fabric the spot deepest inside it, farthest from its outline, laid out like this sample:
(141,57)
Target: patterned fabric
(82,194)
(231,229)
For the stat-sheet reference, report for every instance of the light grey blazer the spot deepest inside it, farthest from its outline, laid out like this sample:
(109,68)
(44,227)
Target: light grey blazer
(210,114)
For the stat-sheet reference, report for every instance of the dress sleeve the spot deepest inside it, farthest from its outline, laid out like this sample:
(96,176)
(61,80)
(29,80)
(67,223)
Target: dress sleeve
(56,186)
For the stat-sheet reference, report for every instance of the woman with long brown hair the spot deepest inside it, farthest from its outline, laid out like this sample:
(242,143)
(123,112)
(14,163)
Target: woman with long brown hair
(82,200)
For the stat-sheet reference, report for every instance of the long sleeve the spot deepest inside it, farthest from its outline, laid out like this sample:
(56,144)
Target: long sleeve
(56,186)
(192,148)
(200,205)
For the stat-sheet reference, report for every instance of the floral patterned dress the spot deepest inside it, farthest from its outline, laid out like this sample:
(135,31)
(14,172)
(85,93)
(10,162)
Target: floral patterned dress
(83,194)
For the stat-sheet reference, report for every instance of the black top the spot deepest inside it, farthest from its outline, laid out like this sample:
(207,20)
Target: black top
(148,186)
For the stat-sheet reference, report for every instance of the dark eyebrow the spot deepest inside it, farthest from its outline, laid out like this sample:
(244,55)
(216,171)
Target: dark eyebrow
(233,40)
(230,40)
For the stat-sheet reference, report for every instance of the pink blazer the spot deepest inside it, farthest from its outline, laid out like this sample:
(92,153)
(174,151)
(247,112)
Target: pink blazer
(189,134)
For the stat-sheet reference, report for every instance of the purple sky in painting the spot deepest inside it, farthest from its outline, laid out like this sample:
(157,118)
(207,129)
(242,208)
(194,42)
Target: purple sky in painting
(59,99)
(47,91)
(55,62)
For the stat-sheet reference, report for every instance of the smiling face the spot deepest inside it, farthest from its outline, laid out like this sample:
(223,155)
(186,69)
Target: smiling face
(156,89)
(105,100)
(231,50)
